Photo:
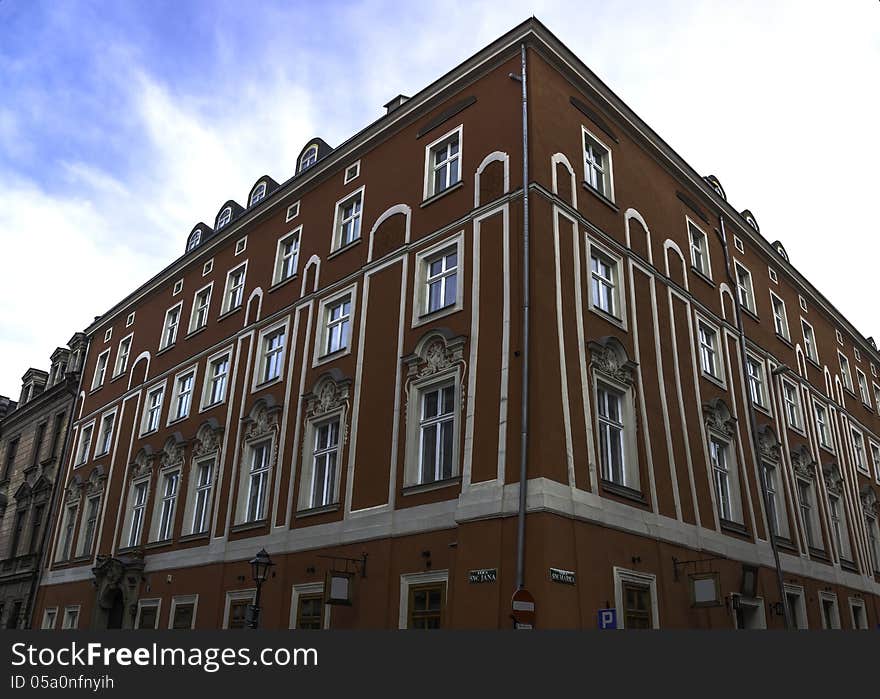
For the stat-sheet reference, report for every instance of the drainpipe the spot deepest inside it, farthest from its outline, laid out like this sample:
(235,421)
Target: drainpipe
(524,407)
(756,452)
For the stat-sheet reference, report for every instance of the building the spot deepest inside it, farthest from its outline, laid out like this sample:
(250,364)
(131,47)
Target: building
(32,440)
(350,371)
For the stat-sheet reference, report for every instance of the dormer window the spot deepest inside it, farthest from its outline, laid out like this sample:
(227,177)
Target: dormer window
(225,217)
(259,194)
(309,158)
(194,240)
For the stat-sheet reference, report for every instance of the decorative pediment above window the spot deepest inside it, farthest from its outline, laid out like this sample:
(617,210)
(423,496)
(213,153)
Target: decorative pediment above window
(870,503)
(718,418)
(608,357)
(142,464)
(172,454)
(330,393)
(437,351)
(262,421)
(768,444)
(208,440)
(95,484)
(22,496)
(803,462)
(73,491)
(833,479)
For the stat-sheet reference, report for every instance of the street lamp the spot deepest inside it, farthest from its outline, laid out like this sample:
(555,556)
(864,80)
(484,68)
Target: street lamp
(260,565)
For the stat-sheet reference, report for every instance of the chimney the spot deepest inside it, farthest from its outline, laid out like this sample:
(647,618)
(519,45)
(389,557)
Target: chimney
(395,103)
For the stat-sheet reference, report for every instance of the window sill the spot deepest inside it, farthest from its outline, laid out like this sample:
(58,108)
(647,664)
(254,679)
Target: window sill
(828,448)
(750,313)
(248,526)
(436,315)
(762,408)
(176,420)
(601,197)
(129,549)
(94,390)
(786,544)
(117,377)
(344,248)
(325,358)
(818,554)
(195,331)
(266,384)
(226,314)
(429,487)
(850,392)
(277,285)
(733,527)
(700,274)
(848,565)
(784,340)
(441,194)
(714,379)
(165,349)
(193,537)
(623,491)
(211,406)
(102,454)
(312,511)
(158,544)
(148,432)
(814,362)
(611,318)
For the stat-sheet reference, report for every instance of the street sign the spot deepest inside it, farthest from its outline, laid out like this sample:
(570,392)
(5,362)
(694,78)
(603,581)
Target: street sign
(483,575)
(608,618)
(566,577)
(523,605)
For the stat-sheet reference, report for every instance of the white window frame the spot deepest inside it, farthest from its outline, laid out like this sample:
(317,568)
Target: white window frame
(243,515)
(108,333)
(420,314)
(839,336)
(429,190)
(717,349)
(649,580)
(802,303)
(194,313)
(258,194)
(207,382)
(145,417)
(305,502)
(156,524)
(85,545)
(320,356)
(776,318)
(408,580)
(738,244)
(864,392)
(812,529)
(248,595)
(835,620)
(181,600)
(592,169)
(760,400)
(262,355)
(416,391)
(797,424)
(773,276)
(240,246)
(860,457)
(338,220)
(826,441)
(173,415)
(101,366)
(618,316)
(130,512)
(306,160)
(838,526)
(164,341)
(227,306)
(355,167)
(776,493)
(874,448)
(208,267)
(194,239)
(856,602)
(731,470)
(72,609)
(296,237)
(705,268)
(120,366)
(65,550)
(748,290)
(193,491)
(845,372)
(99,444)
(292,212)
(144,603)
(50,619)
(802,604)
(84,446)
(129,321)
(178,287)
(312,588)
(812,350)
(225,217)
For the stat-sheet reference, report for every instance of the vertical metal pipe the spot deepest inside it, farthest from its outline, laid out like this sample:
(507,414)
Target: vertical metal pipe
(524,407)
(756,451)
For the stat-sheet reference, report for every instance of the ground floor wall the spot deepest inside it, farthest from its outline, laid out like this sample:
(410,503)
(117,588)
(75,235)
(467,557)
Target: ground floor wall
(15,594)
(574,569)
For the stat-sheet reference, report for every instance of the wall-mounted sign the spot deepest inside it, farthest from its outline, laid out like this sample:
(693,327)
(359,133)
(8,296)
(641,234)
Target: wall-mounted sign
(705,589)
(523,605)
(608,618)
(566,577)
(483,575)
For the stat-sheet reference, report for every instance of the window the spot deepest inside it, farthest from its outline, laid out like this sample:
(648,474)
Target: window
(182,399)
(198,319)
(287,256)
(100,369)
(207,267)
(147,614)
(876,395)
(776,503)
(426,603)
(351,172)
(310,611)
(271,359)
(839,337)
(611,434)
(438,287)
(17,531)
(845,376)
(204,483)
(857,354)
(167,503)
(709,363)
(597,165)
(875,456)
(11,452)
(864,394)
(755,370)
(699,249)
(216,380)
(325,458)
(437,433)
(347,224)
(838,527)
(138,506)
(240,245)
(85,444)
(258,480)
(36,527)
(830,613)
(780,319)
(194,239)
(66,545)
(810,341)
(858,445)
(71,618)
(738,244)
(604,281)
(153,410)
(90,525)
(224,217)
(443,163)
(169,332)
(635,596)
(873,542)
(292,211)
(811,523)
(50,617)
(723,478)
(822,428)
(234,294)
(797,610)
(122,355)
(857,612)
(237,604)
(792,402)
(129,321)
(108,334)
(773,277)
(178,287)
(105,436)
(183,612)
(337,325)
(309,157)
(803,303)
(258,194)
(744,287)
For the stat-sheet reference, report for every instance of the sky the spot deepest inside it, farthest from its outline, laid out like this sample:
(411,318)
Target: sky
(123,124)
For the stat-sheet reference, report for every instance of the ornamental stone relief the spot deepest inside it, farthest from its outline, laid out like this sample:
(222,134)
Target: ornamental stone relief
(768,444)
(262,421)
(718,418)
(833,479)
(328,395)
(207,440)
(142,464)
(434,354)
(172,454)
(609,358)
(803,462)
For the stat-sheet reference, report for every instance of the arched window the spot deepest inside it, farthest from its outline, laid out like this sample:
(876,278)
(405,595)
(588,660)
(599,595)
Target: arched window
(224,217)
(259,194)
(194,239)
(309,158)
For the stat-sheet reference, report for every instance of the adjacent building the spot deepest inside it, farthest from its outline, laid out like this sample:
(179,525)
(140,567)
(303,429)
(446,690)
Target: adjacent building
(351,368)
(32,440)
